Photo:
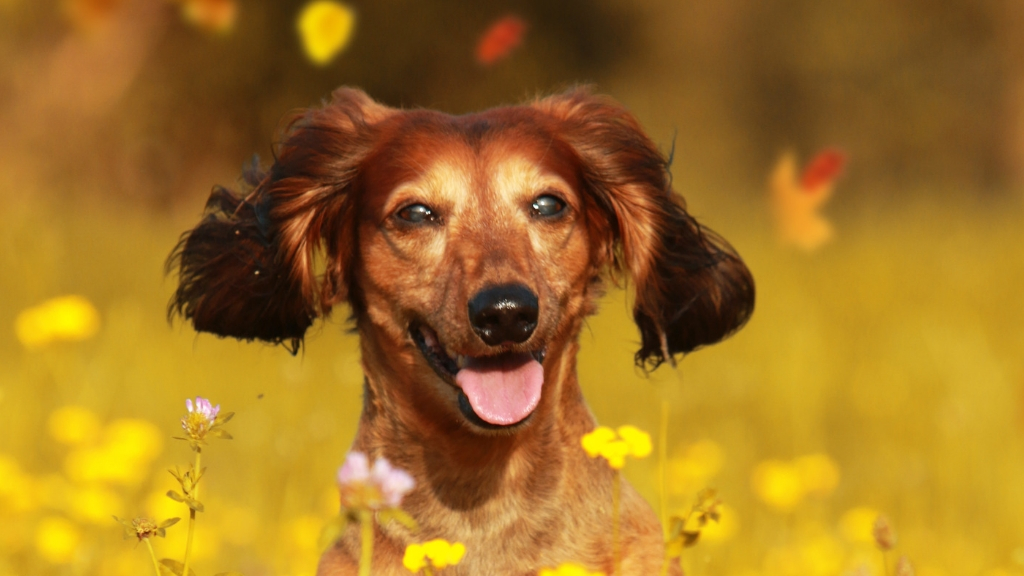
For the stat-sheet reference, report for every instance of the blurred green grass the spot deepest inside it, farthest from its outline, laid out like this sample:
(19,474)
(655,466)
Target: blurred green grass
(896,351)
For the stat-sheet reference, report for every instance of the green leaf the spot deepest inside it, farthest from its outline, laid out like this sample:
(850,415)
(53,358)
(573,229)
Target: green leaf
(398,515)
(677,527)
(175,496)
(174,567)
(332,531)
(194,504)
(223,418)
(218,433)
(169,522)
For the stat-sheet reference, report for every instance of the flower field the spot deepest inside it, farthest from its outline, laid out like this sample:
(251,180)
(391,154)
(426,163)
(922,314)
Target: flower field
(866,159)
(880,375)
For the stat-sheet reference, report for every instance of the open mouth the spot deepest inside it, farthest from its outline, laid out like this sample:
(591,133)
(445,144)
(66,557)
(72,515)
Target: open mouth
(495,391)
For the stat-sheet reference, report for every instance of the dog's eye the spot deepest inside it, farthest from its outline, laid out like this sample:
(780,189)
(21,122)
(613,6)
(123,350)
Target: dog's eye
(417,214)
(547,205)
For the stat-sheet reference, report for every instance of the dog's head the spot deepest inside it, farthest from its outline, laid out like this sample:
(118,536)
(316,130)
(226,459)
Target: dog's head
(474,244)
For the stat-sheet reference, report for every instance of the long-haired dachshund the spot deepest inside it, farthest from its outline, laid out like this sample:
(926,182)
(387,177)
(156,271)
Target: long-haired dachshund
(470,250)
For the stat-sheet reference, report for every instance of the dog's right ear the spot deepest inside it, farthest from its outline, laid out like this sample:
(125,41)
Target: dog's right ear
(247,270)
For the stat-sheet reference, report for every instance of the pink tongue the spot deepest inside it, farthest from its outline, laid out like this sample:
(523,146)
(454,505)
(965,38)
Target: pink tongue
(502,390)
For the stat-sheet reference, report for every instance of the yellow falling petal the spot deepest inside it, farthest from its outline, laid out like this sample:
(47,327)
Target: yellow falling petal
(325,28)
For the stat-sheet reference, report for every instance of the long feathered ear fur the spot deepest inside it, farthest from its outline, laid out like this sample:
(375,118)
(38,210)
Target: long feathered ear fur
(247,270)
(691,287)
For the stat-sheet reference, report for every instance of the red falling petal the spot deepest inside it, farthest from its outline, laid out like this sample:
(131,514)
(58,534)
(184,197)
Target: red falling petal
(823,169)
(500,39)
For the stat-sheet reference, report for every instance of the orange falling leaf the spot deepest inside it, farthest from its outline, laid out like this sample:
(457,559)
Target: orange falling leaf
(797,200)
(88,14)
(823,169)
(500,39)
(216,16)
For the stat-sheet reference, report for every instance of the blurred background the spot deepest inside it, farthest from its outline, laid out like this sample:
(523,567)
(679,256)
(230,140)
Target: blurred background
(882,372)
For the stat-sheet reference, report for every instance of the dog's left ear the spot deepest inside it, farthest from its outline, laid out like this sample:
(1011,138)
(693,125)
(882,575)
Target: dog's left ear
(248,269)
(691,287)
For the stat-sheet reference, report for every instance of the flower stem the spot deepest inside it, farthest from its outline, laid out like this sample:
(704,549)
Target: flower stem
(192,514)
(152,554)
(616,496)
(366,552)
(662,459)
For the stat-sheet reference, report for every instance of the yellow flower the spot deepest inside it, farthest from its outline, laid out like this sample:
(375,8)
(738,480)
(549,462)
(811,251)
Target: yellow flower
(857,524)
(568,569)
(128,446)
(325,28)
(95,504)
(73,425)
(70,318)
(16,488)
(778,484)
(724,529)
(57,539)
(639,442)
(614,447)
(440,552)
(700,462)
(596,440)
(142,527)
(818,473)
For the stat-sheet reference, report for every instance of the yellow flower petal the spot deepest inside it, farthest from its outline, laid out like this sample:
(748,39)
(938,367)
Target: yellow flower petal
(615,453)
(596,440)
(639,442)
(568,569)
(455,553)
(414,559)
(325,28)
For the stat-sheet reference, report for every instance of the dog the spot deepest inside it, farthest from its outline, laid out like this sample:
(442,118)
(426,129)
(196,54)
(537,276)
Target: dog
(470,249)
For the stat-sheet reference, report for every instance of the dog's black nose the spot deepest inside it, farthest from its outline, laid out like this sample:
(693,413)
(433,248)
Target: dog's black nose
(505,313)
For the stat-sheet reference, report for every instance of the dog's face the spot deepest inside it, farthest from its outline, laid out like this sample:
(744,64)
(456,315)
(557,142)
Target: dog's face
(474,257)
(469,248)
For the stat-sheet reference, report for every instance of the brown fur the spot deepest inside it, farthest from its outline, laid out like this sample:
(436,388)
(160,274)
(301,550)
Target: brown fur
(522,498)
